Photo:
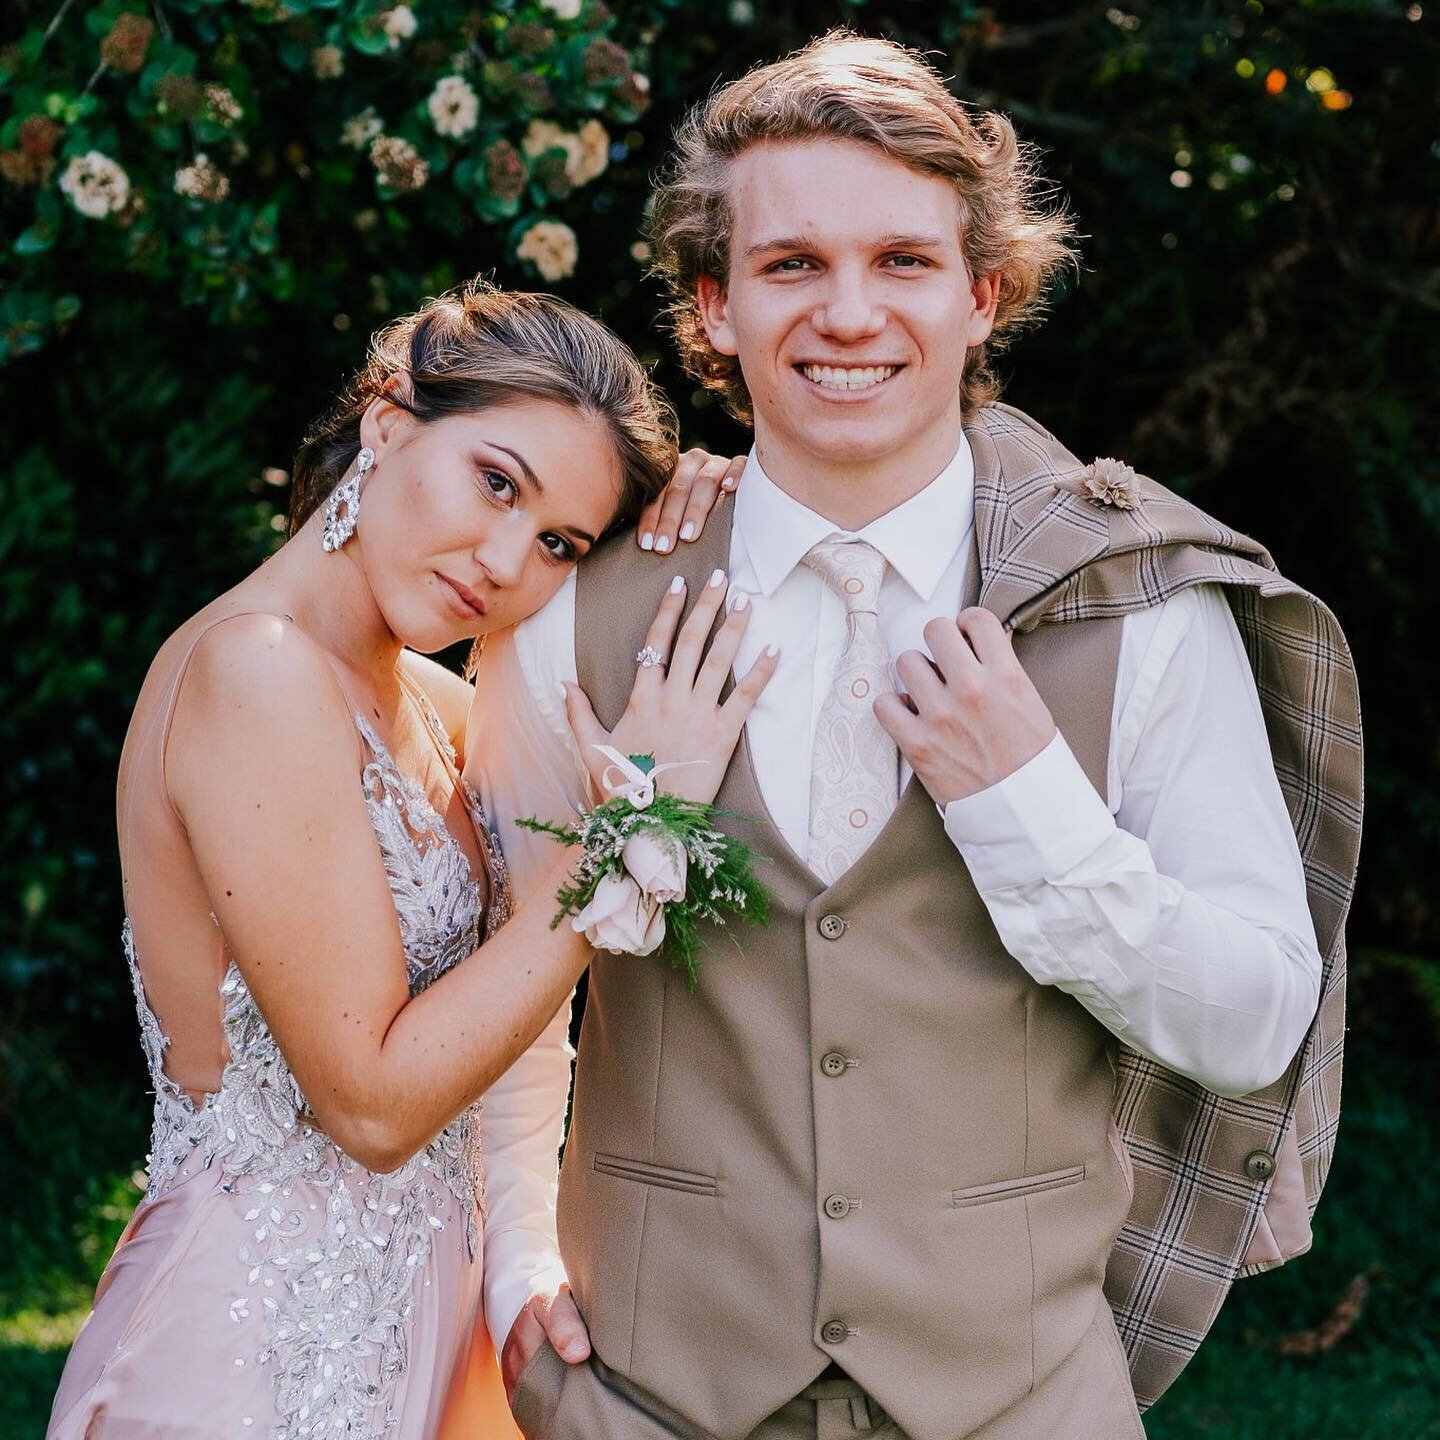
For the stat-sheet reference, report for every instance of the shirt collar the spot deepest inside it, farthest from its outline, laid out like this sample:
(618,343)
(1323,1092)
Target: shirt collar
(918,538)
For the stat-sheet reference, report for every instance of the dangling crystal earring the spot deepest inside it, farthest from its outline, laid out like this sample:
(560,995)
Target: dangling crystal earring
(342,510)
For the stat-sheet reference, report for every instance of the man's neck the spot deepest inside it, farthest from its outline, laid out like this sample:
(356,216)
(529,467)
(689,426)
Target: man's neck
(853,494)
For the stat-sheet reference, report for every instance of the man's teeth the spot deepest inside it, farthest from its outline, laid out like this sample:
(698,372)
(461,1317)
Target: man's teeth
(836,378)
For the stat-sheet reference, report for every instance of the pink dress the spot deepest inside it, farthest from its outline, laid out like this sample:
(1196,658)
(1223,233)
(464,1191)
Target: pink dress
(268,1284)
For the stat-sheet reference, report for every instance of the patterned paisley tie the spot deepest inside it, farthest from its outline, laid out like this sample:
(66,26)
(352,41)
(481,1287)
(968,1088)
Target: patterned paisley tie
(855,768)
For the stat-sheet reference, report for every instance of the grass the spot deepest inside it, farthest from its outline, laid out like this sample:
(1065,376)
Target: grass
(1375,1373)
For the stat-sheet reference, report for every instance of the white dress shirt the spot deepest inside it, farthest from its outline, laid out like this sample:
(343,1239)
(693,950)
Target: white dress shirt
(1173,908)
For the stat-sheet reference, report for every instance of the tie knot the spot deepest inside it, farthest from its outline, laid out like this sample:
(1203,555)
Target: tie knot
(853,569)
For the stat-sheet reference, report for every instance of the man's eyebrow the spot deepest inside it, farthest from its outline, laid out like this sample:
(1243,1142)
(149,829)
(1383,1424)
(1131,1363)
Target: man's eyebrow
(780,242)
(885,242)
(912,242)
(521,461)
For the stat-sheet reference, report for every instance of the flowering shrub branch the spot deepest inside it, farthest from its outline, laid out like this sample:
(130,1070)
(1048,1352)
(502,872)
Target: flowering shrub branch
(159,143)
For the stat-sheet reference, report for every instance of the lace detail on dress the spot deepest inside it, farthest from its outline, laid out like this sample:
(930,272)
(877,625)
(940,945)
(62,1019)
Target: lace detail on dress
(337,1290)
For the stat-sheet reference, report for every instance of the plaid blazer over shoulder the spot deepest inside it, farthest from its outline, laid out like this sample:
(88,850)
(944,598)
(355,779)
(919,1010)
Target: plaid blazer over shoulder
(1223,1187)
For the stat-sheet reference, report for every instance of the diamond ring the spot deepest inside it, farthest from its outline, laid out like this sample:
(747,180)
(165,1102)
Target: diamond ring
(649,656)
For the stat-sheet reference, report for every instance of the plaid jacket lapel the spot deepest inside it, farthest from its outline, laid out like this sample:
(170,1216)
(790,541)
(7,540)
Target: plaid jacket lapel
(1204,1164)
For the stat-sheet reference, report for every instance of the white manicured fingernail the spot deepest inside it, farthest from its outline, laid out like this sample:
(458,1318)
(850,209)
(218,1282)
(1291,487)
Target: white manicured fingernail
(741,601)
(561,691)
(647,540)
(677,584)
(687,530)
(717,579)
(771,651)
(662,545)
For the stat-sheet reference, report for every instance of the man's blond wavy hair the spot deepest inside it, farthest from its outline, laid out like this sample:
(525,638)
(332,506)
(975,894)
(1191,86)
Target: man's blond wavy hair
(846,86)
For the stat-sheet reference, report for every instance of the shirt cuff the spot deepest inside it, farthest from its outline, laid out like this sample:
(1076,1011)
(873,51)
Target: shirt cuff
(1034,825)
(508,1297)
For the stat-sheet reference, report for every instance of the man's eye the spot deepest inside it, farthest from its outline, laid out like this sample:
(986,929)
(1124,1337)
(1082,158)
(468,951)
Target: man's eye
(557,546)
(791,265)
(907,262)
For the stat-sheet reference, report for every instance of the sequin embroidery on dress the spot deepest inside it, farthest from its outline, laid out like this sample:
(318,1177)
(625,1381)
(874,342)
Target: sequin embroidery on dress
(335,1281)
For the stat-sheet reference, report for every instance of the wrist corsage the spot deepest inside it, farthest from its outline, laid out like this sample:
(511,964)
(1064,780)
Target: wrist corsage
(654,866)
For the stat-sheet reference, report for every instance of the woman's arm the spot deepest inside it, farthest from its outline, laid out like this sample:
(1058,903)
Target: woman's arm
(263,771)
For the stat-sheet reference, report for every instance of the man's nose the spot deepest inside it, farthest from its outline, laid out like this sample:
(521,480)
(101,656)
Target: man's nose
(848,310)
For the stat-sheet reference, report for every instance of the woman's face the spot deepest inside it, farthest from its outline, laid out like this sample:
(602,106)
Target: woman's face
(469,524)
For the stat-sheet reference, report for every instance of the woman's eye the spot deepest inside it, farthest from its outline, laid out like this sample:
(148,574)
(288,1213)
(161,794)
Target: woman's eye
(500,484)
(557,546)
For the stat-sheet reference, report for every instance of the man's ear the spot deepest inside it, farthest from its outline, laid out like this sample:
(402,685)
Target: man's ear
(714,307)
(985,292)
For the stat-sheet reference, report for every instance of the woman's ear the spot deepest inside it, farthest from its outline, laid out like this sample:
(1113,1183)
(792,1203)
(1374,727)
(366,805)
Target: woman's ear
(714,307)
(384,421)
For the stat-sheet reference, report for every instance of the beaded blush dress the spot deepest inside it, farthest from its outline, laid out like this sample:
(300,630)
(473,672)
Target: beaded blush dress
(268,1284)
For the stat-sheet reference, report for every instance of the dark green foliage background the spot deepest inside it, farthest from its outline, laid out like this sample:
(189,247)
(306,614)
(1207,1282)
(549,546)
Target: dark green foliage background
(1262,338)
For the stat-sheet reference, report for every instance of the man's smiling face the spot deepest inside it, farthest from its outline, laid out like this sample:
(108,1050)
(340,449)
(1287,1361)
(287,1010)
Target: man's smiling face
(849,306)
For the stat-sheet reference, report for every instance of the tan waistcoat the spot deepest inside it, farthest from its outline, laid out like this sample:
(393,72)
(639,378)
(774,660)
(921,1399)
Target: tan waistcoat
(868,1136)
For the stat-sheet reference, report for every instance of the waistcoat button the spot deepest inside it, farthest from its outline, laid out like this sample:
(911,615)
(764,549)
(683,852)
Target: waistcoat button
(1259,1164)
(832,1063)
(837,1207)
(832,1332)
(832,927)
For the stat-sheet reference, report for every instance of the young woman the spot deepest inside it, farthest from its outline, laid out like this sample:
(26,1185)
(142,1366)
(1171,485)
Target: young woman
(314,897)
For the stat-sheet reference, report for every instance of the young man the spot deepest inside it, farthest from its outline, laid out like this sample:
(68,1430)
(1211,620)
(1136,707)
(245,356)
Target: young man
(1039,907)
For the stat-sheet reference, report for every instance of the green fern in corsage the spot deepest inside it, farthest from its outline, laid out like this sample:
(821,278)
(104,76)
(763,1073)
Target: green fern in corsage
(652,871)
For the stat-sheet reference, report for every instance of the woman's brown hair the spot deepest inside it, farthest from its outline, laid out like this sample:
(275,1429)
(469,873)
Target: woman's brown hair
(845,86)
(477,347)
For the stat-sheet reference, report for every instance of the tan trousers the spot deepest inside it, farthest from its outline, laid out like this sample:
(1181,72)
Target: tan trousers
(1088,1397)
(556,1401)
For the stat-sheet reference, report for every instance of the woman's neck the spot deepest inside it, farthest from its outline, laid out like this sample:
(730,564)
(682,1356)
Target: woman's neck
(327,594)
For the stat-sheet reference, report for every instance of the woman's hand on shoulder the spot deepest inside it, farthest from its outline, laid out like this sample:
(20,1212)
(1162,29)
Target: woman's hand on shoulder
(676,712)
(680,511)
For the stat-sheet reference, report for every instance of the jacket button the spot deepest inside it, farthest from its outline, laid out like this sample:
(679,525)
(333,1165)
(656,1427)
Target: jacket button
(833,1064)
(1259,1164)
(832,927)
(837,1207)
(832,1332)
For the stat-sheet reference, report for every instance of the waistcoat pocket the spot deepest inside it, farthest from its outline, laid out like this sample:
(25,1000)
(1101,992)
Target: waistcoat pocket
(691,1182)
(1022,1185)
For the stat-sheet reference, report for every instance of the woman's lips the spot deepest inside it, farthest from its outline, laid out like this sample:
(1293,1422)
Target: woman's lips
(463,600)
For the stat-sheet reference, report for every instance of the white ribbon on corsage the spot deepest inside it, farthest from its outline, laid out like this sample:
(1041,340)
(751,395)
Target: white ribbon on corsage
(634,784)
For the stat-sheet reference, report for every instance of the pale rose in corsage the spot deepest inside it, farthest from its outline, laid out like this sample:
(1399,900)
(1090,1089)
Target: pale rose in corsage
(656,860)
(620,919)
(655,868)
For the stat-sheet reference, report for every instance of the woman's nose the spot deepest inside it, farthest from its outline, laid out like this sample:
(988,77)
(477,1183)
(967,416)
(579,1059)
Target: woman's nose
(503,553)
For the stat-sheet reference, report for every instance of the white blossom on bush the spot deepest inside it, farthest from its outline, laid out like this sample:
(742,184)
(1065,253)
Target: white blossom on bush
(359,130)
(454,106)
(562,9)
(202,179)
(95,185)
(398,163)
(594,154)
(225,109)
(551,248)
(328,62)
(399,25)
(587,152)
